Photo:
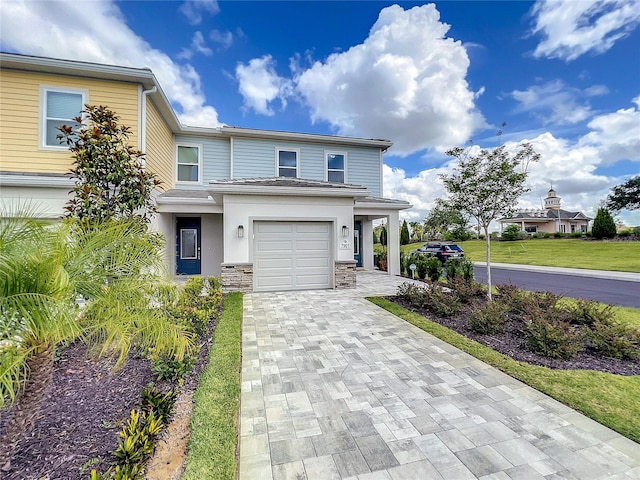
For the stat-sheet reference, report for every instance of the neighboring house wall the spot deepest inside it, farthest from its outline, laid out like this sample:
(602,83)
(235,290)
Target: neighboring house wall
(20,122)
(215,157)
(159,152)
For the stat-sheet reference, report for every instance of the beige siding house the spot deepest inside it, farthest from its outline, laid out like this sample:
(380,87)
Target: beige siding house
(550,219)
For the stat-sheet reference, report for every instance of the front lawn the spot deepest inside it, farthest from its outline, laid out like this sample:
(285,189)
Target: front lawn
(213,442)
(621,256)
(609,399)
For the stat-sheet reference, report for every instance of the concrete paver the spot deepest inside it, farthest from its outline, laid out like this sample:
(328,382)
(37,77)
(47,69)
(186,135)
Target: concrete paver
(334,387)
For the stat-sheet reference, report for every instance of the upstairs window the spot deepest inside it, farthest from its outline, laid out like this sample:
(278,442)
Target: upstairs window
(59,107)
(336,166)
(189,159)
(287,163)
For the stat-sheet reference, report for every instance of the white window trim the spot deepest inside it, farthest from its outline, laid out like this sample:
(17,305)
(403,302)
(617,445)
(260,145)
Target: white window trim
(200,148)
(285,149)
(42,134)
(326,164)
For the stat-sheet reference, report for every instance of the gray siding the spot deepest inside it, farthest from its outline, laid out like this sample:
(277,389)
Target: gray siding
(257,158)
(363,168)
(215,158)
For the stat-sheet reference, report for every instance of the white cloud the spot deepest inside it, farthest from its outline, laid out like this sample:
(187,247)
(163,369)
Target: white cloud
(570,166)
(615,135)
(406,82)
(260,85)
(224,39)
(573,28)
(198,45)
(557,103)
(193,10)
(100,34)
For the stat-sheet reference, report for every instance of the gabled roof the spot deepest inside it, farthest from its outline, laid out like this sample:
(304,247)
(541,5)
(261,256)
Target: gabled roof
(549,214)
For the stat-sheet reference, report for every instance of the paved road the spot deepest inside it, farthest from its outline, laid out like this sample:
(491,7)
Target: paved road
(608,290)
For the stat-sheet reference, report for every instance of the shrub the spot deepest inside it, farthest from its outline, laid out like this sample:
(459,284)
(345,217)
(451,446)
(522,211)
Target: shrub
(588,312)
(411,293)
(161,403)
(552,338)
(170,369)
(515,299)
(511,233)
(433,268)
(466,290)
(559,235)
(625,233)
(576,234)
(441,301)
(489,318)
(614,339)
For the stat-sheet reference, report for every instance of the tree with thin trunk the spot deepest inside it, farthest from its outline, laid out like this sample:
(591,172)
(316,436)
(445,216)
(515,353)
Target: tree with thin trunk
(487,185)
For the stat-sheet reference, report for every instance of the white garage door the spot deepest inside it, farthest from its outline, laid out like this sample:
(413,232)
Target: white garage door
(292,256)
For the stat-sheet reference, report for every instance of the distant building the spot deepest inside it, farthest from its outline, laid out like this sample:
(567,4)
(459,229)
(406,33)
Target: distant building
(550,219)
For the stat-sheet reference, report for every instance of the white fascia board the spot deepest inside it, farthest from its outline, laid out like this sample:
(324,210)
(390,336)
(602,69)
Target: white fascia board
(306,137)
(287,191)
(36,181)
(374,208)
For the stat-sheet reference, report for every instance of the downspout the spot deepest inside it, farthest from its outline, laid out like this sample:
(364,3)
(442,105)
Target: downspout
(143,122)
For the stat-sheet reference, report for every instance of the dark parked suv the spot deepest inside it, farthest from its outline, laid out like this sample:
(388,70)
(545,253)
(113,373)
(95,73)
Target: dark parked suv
(443,250)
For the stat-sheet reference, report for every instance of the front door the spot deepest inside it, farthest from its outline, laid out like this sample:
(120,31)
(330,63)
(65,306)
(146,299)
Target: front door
(357,243)
(188,246)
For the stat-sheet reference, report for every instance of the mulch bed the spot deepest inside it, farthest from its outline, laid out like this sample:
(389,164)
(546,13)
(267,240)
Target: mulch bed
(513,344)
(74,422)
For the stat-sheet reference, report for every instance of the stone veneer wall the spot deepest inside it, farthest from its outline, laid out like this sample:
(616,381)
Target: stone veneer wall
(237,277)
(345,274)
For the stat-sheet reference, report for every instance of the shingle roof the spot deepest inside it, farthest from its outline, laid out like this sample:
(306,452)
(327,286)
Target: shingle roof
(285,182)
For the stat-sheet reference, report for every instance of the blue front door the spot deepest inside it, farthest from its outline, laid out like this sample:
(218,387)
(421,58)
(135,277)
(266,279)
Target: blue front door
(357,243)
(188,246)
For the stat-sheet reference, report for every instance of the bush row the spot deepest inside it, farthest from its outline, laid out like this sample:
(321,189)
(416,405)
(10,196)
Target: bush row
(550,326)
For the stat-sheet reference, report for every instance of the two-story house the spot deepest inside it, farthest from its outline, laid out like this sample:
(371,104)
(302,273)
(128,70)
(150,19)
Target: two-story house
(267,210)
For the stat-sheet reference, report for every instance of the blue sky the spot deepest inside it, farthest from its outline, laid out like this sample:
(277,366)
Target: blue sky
(563,75)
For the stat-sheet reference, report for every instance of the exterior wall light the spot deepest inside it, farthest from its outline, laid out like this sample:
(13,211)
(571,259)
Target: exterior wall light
(345,231)
(240,231)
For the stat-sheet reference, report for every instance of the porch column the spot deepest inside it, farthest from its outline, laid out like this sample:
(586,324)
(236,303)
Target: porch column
(393,241)
(367,244)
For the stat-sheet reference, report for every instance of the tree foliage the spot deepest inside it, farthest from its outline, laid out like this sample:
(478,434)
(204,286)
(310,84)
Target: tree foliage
(383,236)
(113,266)
(404,233)
(625,196)
(444,218)
(486,185)
(417,231)
(603,225)
(111,180)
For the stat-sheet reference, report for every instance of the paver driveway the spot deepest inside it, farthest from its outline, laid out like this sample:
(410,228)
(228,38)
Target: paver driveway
(335,387)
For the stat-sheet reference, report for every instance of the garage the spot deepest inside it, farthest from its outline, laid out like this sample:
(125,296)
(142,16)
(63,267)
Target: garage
(292,256)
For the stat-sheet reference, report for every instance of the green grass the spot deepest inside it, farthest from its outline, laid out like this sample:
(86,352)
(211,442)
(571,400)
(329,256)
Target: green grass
(212,446)
(572,253)
(609,399)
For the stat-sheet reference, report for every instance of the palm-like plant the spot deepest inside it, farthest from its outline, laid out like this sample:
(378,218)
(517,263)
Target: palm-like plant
(114,266)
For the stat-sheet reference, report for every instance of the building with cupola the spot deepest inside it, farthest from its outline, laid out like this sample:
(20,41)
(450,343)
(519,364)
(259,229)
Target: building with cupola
(550,219)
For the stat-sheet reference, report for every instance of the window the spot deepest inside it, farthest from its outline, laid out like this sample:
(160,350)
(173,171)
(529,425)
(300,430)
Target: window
(336,166)
(189,163)
(59,107)
(531,229)
(287,163)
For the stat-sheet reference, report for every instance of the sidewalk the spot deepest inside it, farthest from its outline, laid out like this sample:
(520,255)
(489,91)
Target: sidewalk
(579,272)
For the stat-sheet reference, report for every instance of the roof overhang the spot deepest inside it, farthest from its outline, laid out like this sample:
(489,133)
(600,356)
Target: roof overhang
(20,179)
(286,187)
